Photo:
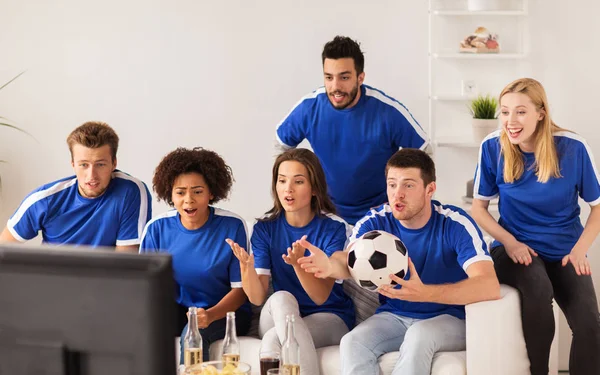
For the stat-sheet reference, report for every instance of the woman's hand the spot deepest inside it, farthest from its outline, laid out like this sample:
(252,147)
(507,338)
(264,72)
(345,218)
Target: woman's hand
(519,252)
(202,317)
(579,261)
(246,260)
(317,262)
(294,253)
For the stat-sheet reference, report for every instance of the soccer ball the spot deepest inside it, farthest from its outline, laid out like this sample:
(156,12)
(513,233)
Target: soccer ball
(376,255)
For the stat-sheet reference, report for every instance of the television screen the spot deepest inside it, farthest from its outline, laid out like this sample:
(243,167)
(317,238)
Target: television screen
(77,311)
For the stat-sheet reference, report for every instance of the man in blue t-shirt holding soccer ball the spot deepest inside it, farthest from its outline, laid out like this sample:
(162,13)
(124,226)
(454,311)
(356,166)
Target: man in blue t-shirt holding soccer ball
(449,267)
(353,129)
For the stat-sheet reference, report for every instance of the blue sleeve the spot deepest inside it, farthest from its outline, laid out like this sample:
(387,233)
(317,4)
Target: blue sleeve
(485,186)
(137,211)
(261,246)
(235,276)
(588,185)
(337,239)
(292,129)
(467,240)
(148,205)
(364,225)
(29,218)
(406,131)
(149,243)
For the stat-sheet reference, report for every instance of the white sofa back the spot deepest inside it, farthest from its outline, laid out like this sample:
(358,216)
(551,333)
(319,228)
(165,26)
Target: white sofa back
(495,343)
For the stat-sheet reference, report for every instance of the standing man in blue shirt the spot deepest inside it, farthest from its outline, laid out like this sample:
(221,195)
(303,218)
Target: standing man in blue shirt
(449,267)
(353,128)
(99,206)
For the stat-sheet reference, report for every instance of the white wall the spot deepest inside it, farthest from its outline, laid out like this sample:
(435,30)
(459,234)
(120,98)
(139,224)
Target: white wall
(222,74)
(565,57)
(217,74)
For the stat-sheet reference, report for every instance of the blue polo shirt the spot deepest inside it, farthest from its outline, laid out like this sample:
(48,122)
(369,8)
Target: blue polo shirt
(116,218)
(204,267)
(270,240)
(544,216)
(353,144)
(441,251)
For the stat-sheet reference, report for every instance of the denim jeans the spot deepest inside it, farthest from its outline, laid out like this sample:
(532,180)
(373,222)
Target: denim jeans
(537,284)
(417,339)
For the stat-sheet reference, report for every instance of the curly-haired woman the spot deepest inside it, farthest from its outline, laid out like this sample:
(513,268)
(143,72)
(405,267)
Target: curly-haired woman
(206,272)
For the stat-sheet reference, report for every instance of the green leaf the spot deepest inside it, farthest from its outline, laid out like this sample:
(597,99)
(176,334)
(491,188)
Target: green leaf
(5,123)
(19,129)
(484,107)
(7,83)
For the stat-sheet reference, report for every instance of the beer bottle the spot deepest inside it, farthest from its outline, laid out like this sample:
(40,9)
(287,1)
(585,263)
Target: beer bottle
(231,345)
(290,351)
(192,342)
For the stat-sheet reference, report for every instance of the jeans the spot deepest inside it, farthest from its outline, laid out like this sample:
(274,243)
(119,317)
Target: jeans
(312,331)
(417,339)
(537,284)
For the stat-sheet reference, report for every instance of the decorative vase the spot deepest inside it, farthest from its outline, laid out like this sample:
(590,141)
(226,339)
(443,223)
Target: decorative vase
(476,5)
(483,127)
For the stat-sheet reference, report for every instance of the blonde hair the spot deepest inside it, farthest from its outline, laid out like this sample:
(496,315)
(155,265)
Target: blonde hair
(546,158)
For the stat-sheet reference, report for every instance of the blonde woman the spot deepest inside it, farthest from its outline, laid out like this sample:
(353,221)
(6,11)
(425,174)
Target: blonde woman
(538,170)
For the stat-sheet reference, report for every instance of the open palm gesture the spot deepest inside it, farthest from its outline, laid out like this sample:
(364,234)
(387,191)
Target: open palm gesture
(246,260)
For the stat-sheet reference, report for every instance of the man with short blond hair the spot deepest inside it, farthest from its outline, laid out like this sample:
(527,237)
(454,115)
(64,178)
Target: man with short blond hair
(98,206)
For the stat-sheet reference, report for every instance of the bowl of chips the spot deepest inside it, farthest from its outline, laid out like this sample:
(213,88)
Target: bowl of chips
(219,368)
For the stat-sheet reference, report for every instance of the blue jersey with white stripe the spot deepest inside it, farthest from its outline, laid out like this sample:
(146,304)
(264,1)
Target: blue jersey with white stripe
(441,251)
(544,216)
(353,144)
(116,218)
(270,240)
(204,267)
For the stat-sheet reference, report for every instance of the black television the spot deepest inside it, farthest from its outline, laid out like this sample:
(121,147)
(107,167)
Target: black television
(82,311)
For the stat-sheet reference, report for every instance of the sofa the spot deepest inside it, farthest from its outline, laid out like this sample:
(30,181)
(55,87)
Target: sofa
(495,344)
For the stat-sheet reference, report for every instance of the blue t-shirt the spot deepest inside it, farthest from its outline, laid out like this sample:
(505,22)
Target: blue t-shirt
(544,216)
(204,267)
(270,239)
(353,144)
(441,251)
(116,218)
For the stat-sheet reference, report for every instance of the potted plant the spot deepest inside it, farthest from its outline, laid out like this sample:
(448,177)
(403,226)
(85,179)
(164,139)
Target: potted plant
(484,110)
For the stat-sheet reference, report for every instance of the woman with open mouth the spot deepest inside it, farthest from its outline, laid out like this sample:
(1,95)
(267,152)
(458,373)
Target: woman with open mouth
(207,274)
(539,171)
(301,209)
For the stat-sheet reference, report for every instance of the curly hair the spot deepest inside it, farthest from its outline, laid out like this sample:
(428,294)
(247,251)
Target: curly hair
(209,164)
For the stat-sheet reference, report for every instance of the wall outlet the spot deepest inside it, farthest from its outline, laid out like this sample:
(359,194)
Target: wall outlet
(468,87)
